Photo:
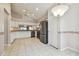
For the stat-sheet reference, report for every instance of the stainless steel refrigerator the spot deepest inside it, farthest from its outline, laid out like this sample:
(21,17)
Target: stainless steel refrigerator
(44,32)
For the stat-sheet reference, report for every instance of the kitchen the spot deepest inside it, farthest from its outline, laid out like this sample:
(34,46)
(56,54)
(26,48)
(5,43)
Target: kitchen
(38,28)
(25,24)
(20,30)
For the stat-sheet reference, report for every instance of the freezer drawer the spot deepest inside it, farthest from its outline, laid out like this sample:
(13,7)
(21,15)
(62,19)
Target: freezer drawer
(43,39)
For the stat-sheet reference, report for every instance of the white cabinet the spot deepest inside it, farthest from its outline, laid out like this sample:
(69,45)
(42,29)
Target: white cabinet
(19,34)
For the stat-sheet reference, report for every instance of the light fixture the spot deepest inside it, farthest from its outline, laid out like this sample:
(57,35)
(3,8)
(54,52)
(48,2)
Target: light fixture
(24,10)
(59,10)
(37,9)
(33,14)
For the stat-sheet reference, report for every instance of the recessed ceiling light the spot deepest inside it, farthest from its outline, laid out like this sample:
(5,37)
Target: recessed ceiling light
(37,9)
(24,10)
(33,14)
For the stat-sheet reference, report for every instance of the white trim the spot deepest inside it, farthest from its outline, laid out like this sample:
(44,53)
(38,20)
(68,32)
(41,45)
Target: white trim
(64,48)
(75,50)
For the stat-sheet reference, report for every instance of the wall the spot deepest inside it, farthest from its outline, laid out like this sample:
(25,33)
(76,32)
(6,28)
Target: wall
(69,28)
(1,31)
(52,30)
(7,7)
(70,22)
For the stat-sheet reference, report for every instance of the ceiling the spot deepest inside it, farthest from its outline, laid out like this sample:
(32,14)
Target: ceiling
(32,12)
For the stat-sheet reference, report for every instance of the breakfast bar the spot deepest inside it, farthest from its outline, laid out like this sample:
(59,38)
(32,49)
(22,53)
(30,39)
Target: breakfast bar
(19,34)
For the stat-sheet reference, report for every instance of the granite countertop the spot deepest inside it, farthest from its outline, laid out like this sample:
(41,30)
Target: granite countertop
(17,30)
(22,30)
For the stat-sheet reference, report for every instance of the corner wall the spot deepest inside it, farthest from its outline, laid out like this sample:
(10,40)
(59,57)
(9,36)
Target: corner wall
(8,8)
(69,28)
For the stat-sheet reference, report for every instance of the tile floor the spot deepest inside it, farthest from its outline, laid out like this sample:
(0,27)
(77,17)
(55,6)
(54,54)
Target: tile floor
(33,47)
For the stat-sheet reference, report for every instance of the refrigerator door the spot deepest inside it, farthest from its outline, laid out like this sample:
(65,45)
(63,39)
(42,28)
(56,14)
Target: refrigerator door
(43,27)
(43,39)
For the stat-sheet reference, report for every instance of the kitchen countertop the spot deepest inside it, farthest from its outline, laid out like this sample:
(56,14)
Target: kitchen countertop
(2,33)
(17,30)
(22,30)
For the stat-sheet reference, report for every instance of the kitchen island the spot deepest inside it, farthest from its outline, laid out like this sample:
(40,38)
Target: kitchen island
(16,34)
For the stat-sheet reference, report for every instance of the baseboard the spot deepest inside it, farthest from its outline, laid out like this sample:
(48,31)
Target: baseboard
(52,46)
(73,49)
(76,50)
(64,48)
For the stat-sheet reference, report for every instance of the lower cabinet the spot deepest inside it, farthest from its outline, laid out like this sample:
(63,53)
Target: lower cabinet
(32,33)
(19,34)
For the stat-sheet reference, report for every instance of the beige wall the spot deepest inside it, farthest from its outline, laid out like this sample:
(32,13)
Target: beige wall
(8,8)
